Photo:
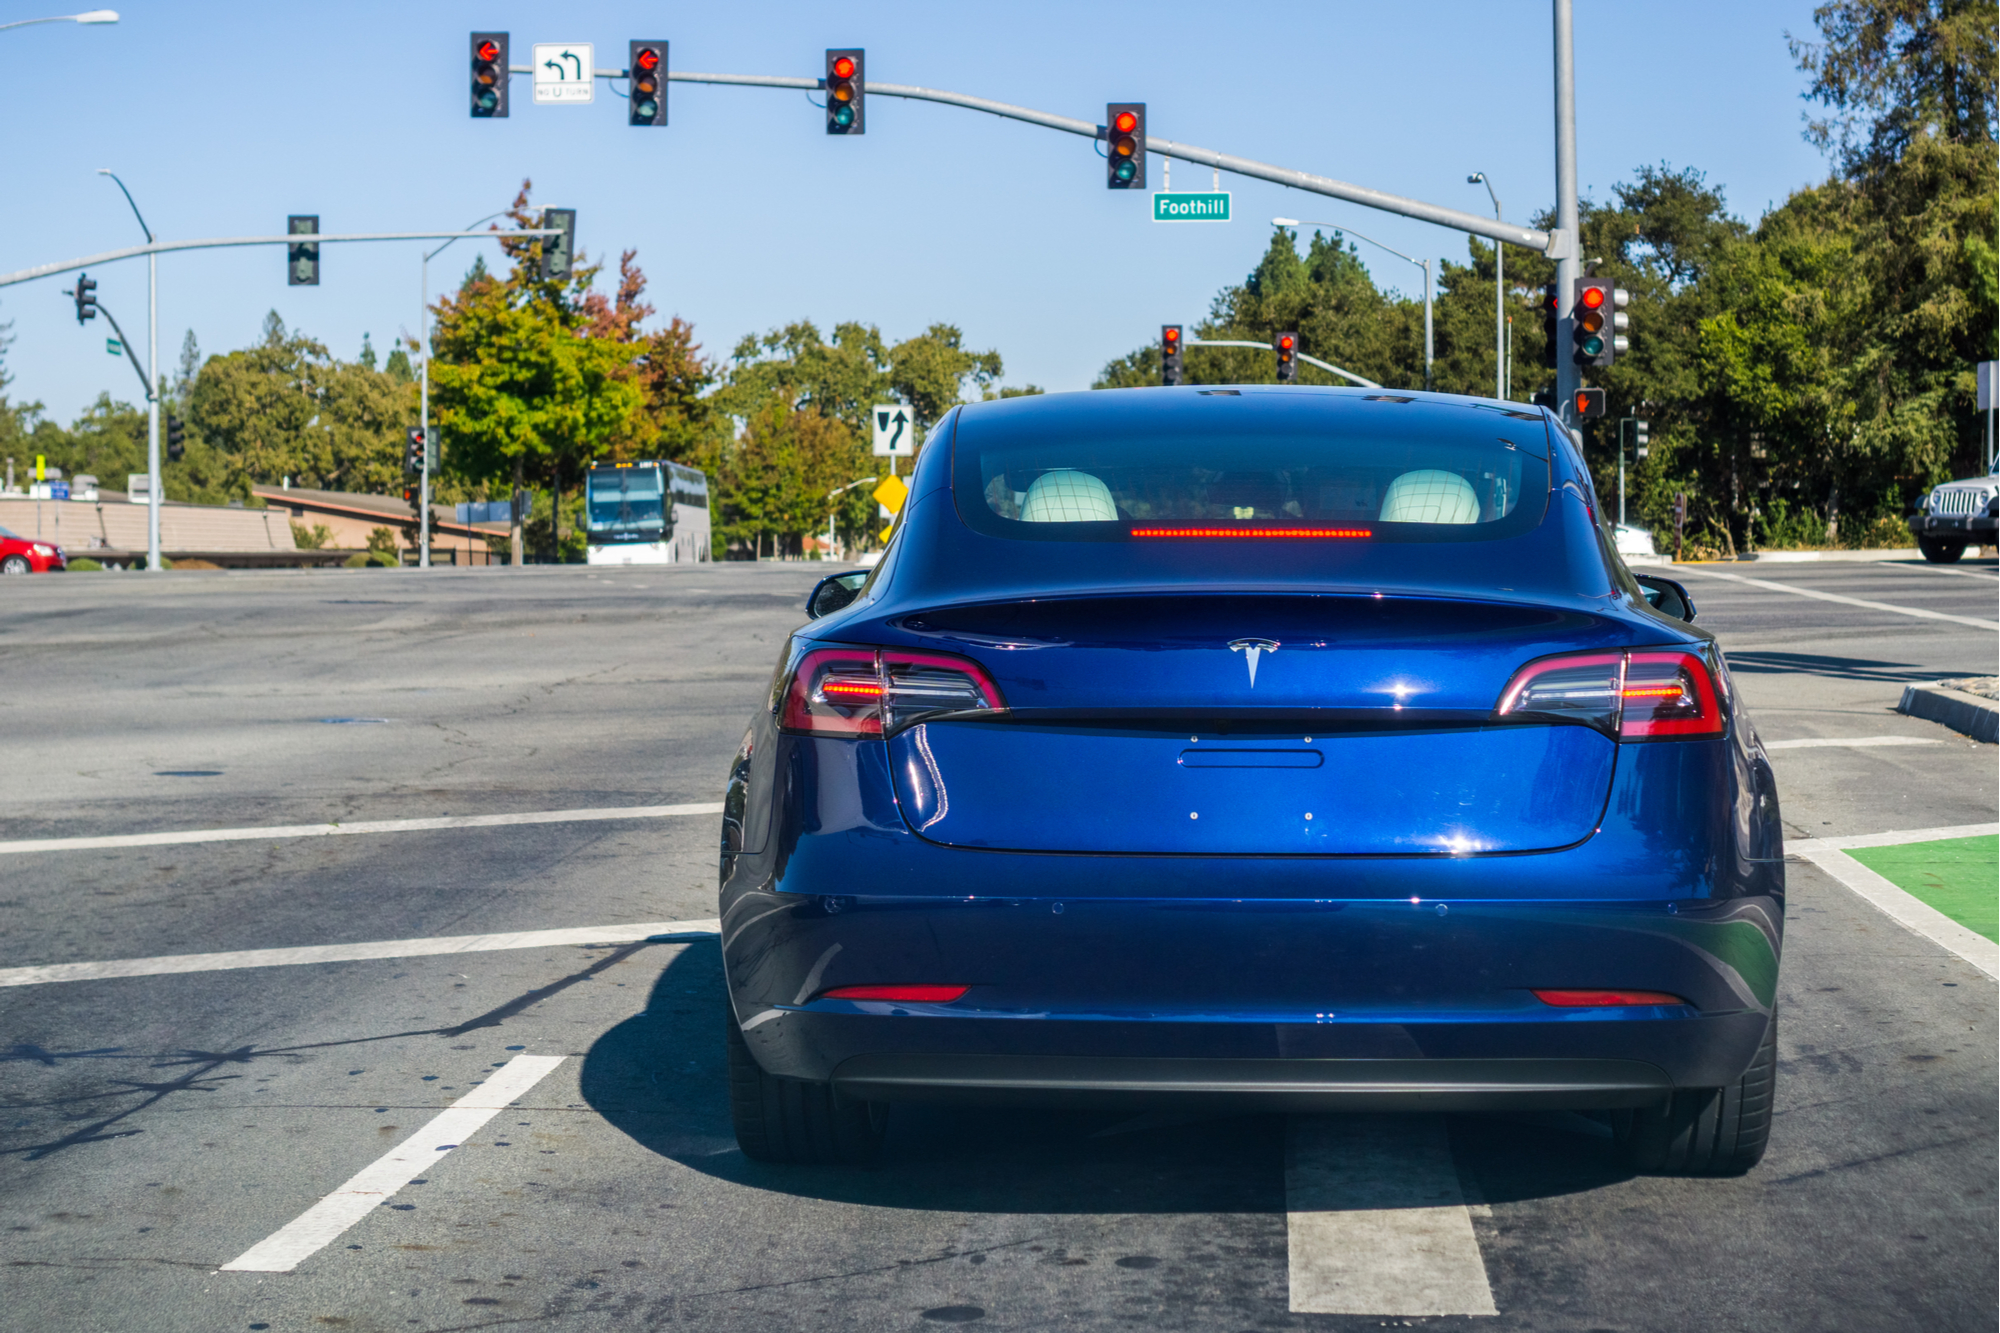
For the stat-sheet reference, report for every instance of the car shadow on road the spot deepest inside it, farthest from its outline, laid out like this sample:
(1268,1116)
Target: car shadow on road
(660,1077)
(1838,668)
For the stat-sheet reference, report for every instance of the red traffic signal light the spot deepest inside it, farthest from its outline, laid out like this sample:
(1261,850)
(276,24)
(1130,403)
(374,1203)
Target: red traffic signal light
(846,88)
(1125,146)
(1598,318)
(1287,345)
(646,68)
(1592,297)
(1170,354)
(489,75)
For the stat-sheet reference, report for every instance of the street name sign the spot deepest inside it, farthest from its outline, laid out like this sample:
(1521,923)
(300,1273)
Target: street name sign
(895,436)
(113,346)
(563,72)
(1191,207)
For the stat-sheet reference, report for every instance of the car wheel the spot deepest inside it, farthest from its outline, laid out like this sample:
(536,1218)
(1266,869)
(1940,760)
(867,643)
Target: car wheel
(14,564)
(796,1120)
(1707,1131)
(1940,552)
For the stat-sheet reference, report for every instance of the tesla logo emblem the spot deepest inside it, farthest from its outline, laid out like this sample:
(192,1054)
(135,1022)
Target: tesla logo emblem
(1251,649)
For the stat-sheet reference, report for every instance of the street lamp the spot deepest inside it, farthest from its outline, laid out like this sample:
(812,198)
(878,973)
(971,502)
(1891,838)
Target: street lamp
(1423,264)
(156,483)
(1502,380)
(424,399)
(90,16)
(829,508)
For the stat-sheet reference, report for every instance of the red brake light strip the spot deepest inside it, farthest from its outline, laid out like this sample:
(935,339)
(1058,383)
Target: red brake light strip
(1606,999)
(1252,532)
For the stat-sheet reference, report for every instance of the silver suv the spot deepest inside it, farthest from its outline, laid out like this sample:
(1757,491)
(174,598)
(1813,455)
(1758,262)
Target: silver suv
(1956,515)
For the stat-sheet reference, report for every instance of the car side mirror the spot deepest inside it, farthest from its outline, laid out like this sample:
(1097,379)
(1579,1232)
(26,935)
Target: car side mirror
(833,592)
(1666,596)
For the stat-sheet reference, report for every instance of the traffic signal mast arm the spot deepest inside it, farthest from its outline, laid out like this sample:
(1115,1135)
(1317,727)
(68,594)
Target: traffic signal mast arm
(1265,347)
(162,247)
(98,308)
(1547,242)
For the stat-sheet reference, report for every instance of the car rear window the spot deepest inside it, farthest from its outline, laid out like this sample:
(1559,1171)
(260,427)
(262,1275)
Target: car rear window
(1489,480)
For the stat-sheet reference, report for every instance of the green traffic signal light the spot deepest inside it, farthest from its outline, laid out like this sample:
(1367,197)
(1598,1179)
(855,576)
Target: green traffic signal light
(843,116)
(1593,345)
(1124,171)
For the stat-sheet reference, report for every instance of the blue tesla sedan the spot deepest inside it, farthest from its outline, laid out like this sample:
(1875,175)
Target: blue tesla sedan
(1297,747)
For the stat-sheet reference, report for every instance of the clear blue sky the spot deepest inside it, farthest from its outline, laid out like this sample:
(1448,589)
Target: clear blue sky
(746,215)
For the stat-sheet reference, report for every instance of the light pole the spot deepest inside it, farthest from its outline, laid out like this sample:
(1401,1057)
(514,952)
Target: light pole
(829,507)
(156,483)
(1501,386)
(1565,241)
(424,400)
(1423,264)
(90,16)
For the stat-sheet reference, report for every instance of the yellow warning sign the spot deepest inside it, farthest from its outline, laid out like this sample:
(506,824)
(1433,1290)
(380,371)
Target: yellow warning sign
(885,533)
(891,493)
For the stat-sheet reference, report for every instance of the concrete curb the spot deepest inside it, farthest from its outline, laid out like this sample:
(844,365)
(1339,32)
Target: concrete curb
(1967,713)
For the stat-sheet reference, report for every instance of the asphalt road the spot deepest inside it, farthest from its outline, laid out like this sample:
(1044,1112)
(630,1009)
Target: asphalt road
(157,1127)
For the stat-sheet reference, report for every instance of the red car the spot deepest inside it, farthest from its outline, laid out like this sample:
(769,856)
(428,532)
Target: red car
(26,555)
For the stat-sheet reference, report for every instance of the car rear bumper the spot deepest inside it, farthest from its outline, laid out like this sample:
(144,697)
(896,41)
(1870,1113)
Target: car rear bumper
(1321,1003)
(1293,1085)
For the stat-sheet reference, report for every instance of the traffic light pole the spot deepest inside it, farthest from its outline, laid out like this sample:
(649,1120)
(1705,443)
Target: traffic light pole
(1567,376)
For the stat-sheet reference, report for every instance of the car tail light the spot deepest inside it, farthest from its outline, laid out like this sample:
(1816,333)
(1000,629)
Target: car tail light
(869,692)
(1634,696)
(908,994)
(1605,999)
(1668,695)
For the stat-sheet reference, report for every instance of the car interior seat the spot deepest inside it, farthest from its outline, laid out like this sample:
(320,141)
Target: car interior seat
(1068,496)
(1430,496)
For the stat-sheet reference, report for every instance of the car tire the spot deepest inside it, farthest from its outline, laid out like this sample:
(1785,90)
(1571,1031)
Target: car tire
(15,564)
(794,1120)
(1940,552)
(1706,1131)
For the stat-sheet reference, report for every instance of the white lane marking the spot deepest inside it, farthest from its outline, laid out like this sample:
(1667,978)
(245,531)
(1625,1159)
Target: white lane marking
(1856,742)
(1909,911)
(1796,591)
(183,836)
(348,953)
(1985,574)
(1893,838)
(375,1184)
(1375,1220)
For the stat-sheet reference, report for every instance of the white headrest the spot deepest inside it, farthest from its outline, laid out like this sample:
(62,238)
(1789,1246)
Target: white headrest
(1068,496)
(1430,496)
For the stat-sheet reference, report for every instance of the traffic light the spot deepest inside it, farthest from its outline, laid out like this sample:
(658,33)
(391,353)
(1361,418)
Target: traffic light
(176,434)
(1125,146)
(1599,320)
(489,75)
(1287,347)
(1641,440)
(1589,403)
(558,252)
(413,451)
(302,266)
(1170,354)
(1549,326)
(646,66)
(85,292)
(845,91)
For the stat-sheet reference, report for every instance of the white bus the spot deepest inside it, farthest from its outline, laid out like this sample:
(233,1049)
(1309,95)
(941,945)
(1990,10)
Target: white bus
(645,514)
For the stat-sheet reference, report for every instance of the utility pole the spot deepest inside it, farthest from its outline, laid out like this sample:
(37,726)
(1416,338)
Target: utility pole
(1500,329)
(1564,245)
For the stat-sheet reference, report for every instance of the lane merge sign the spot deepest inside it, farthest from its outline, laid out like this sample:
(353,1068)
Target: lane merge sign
(1191,207)
(563,73)
(894,430)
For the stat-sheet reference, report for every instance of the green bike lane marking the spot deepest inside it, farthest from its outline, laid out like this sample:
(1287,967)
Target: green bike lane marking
(1959,877)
